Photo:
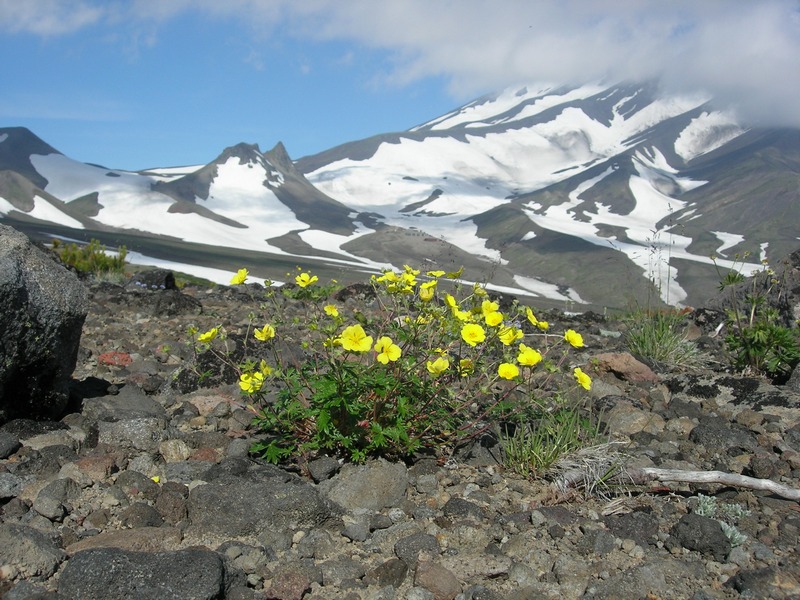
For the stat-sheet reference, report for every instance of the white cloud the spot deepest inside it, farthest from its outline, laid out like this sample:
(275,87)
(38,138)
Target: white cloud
(47,17)
(742,52)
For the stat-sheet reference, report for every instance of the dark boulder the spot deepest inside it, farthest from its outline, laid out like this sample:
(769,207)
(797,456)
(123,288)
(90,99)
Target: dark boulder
(44,307)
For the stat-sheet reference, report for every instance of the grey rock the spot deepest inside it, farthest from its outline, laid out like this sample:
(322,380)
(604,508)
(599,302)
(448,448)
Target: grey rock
(144,433)
(459,508)
(140,514)
(718,435)
(154,279)
(479,592)
(239,507)
(357,532)
(9,444)
(341,569)
(702,534)
(129,403)
(794,380)
(596,542)
(171,503)
(408,548)
(111,574)
(44,308)
(766,582)
(650,579)
(317,544)
(438,580)
(373,486)
(50,500)
(10,486)
(640,526)
(135,484)
(419,593)
(323,468)
(392,573)
(28,551)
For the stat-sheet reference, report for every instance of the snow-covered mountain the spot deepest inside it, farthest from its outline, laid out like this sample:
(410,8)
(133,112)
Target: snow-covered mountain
(602,195)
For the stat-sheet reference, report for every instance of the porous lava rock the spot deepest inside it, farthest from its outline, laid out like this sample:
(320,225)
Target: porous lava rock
(44,308)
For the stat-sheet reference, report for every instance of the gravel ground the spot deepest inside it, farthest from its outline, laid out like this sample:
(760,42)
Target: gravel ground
(146,488)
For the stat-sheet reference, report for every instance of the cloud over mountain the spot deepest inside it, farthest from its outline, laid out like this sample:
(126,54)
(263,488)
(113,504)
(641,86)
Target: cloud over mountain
(742,53)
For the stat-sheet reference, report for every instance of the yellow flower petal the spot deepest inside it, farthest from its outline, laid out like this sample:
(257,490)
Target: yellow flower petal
(473,334)
(508,370)
(438,366)
(240,277)
(574,338)
(209,335)
(265,333)
(582,378)
(387,350)
(305,280)
(355,339)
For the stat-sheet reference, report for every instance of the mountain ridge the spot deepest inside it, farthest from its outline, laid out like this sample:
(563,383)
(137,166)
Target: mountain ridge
(593,195)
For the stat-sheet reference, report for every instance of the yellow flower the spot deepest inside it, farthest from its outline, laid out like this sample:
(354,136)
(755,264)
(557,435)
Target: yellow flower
(493,319)
(509,335)
(331,310)
(438,366)
(265,333)
(466,367)
(582,378)
(479,290)
(410,271)
(426,291)
(508,370)
(488,307)
(462,315)
(265,368)
(209,335)
(240,277)
(387,350)
(305,280)
(389,276)
(574,338)
(473,334)
(354,338)
(543,325)
(531,317)
(251,382)
(435,273)
(451,302)
(409,279)
(528,356)
(156,479)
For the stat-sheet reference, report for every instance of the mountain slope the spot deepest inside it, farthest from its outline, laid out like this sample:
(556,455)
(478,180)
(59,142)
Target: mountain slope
(603,195)
(614,194)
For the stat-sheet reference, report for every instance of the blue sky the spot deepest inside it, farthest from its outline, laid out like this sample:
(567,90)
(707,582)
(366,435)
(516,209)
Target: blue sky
(141,83)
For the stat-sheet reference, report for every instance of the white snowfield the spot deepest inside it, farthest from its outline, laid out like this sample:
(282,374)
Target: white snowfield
(472,160)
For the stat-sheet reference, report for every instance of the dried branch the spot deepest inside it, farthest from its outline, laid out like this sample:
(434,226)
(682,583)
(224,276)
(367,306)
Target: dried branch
(603,466)
(642,475)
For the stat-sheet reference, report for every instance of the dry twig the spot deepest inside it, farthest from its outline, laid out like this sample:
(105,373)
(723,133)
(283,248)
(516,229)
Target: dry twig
(599,467)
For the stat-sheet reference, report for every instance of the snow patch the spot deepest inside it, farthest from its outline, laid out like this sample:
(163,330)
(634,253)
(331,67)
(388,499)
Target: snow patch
(705,133)
(547,290)
(44,211)
(729,240)
(3,138)
(219,276)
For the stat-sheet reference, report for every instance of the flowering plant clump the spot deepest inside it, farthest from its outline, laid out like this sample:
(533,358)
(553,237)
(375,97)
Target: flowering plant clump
(420,369)
(757,339)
